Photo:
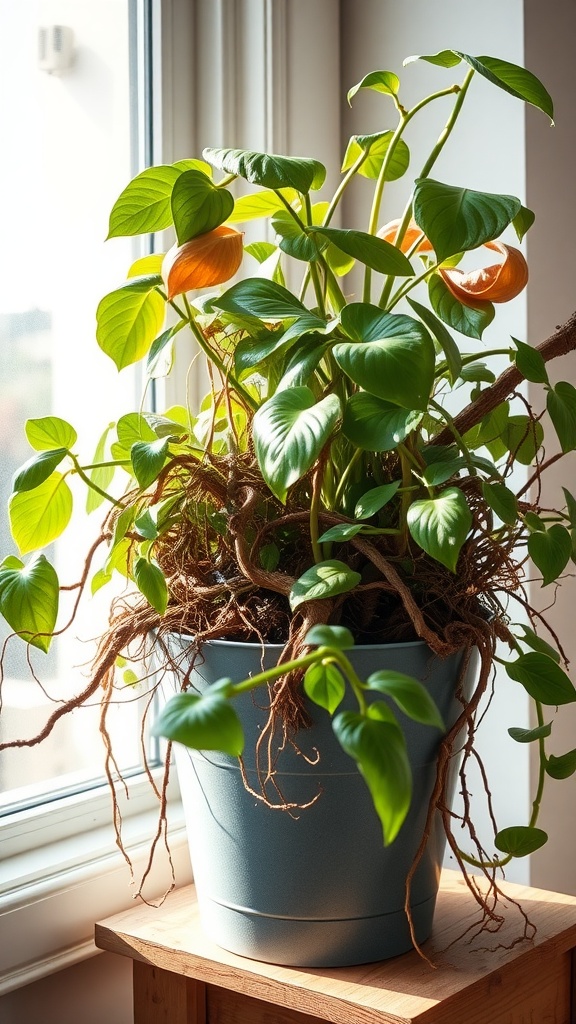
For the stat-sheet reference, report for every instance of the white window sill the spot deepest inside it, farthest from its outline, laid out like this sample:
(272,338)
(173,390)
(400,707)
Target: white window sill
(56,882)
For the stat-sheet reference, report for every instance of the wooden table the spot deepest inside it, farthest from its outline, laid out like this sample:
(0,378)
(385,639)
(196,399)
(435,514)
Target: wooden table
(180,977)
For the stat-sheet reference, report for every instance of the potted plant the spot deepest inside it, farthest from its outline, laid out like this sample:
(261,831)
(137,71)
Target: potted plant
(326,554)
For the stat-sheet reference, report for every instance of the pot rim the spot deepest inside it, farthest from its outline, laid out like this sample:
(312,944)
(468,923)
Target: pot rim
(280,647)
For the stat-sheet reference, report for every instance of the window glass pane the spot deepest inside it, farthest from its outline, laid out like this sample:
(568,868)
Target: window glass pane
(68,129)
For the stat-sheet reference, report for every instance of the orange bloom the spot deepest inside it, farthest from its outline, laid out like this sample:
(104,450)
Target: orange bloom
(413,232)
(204,261)
(497,283)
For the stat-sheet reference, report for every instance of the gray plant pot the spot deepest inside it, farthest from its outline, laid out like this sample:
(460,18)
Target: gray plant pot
(313,887)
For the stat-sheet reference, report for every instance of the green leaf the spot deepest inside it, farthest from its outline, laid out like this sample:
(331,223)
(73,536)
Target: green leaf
(391,355)
(144,205)
(269,557)
(530,735)
(376,498)
(203,723)
(265,299)
(259,204)
(330,636)
(523,221)
(377,426)
(385,82)
(128,321)
(377,147)
(520,840)
(293,240)
(38,517)
(323,684)
(561,406)
(523,437)
(340,532)
(536,642)
(29,599)
(325,579)
(198,205)
(443,338)
(550,552)
(379,749)
(443,59)
(440,525)
(370,250)
(458,219)
(561,767)
(542,678)
(148,459)
(570,506)
(50,432)
(469,320)
(502,501)
(151,582)
(409,694)
(290,430)
(514,80)
(37,469)
(101,476)
(269,169)
(530,363)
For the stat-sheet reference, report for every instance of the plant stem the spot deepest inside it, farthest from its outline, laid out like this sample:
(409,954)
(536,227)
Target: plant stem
(215,358)
(456,435)
(90,483)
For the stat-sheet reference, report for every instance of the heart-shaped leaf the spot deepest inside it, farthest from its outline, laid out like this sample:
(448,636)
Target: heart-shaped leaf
(330,636)
(502,501)
(561,767)
(151,582)
(542,678)
(530,735)
(376,498)
(440,525)
(550,552)
(458,219)
(290,430)
(391,356)
(29,599)
(259,204)
(128,321)
(323,684)
(530,363)
(144,205)
(377,147)
(148,458)
(375,425)
(520,840)
(202,723)
(561,406)
(470,320)
(385,82)
(325,579)
(38,469)
(38,517)
(49,432)
(198,205)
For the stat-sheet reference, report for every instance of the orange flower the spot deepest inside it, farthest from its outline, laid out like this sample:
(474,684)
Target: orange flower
(204,261)
(497,283)
(413,232)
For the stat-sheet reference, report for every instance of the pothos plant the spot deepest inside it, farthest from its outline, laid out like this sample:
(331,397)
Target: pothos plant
(350,476)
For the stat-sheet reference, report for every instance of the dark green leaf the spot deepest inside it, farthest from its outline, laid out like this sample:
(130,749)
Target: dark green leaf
(523,437)
(443,338)
(38,469)
(198,205)
(293,240)
(29,599)
(523,221)
(530,735)
(530,363)
(468,320)
(343,531)
(265,299)
(203,723)
(536,642)
(561,405)
(377,426)
(459,219)
(373,252)
(440,525)
(570,506)
(325,579)
(520,840)
(268,169)
(502,501)
(269,557)
(512,79)
(542,678)
(561,767)
(391,356)
(323,684)
(379,749)
(550,552)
